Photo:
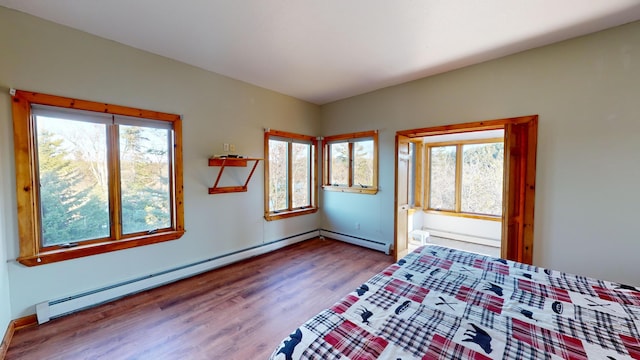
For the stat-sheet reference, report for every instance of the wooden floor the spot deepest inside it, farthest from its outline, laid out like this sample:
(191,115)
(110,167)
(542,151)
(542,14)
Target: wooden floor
(241,311)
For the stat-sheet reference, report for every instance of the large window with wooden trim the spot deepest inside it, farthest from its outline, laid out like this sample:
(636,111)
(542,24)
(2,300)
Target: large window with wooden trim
(93,177)
(290,175)
(465,177)
(351,162)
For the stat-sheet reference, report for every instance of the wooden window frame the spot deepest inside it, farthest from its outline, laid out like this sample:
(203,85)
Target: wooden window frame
(290,138)
(418,189)
(350,139)
(27,183)
(458,180)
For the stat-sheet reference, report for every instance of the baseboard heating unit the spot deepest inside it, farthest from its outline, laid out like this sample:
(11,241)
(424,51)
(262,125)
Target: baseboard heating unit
(481,240)
(56,308)
(371,244)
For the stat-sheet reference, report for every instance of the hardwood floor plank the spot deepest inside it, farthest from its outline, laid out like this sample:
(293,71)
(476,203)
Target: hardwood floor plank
(241,311)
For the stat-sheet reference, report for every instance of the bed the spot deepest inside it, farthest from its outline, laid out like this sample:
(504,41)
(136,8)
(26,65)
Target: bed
(440,303)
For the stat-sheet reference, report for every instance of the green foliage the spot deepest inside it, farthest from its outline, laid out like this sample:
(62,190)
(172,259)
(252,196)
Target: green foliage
(145,179)
(73,193)
(70,210)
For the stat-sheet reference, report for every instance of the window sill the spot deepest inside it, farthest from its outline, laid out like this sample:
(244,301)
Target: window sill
(62,254)
(357,190)
(288,214)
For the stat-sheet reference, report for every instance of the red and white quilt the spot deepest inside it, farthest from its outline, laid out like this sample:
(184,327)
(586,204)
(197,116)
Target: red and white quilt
(440,303)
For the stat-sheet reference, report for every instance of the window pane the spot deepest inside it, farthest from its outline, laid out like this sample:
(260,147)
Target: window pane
(144,176)
(301,175)
(278,154)
(482,171)
(73,180)
(442,195)
(363,163)
(339,164)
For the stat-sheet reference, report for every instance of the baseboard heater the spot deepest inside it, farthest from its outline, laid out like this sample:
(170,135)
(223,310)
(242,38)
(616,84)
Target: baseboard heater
(56,308)
(464,237)
(371,244)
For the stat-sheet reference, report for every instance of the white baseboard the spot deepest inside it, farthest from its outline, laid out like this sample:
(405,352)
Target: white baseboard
(56,308)
(371,244)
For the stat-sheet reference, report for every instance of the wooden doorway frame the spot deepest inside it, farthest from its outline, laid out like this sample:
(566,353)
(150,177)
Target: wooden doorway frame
(520,139)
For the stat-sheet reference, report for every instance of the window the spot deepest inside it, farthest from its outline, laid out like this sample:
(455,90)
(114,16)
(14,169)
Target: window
(290,174)
(351,162)
(94,177)
(442,177)
(466,177)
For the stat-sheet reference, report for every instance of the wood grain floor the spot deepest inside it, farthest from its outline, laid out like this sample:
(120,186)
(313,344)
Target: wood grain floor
(241,311)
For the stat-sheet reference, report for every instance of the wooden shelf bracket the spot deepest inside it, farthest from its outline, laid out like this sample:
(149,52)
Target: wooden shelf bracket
(236,162)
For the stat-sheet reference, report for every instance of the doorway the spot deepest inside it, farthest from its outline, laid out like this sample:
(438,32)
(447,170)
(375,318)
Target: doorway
(520,143)
(456,191)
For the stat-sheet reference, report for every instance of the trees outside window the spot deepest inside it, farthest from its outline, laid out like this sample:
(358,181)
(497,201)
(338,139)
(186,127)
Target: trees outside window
(466,177)
(94,177)
(481,179)
(73,195)
(351,162)
(278,174)
(442,177)
(339,164)
(290,174)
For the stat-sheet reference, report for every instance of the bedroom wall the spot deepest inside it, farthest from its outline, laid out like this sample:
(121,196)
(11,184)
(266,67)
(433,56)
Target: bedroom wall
(5,299)
(586,93)
(41,56)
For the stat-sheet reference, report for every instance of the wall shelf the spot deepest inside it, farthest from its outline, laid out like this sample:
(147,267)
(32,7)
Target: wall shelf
(223,162)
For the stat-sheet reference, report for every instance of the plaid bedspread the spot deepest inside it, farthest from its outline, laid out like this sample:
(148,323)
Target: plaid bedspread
(439,303)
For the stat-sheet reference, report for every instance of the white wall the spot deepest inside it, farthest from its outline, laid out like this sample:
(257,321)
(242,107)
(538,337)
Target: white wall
(586,91)
(44,57)
(487,232)
(5,299)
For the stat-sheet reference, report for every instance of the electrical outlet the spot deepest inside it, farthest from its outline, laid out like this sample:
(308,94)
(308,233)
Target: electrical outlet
(357,226)
(232,148)
(225,147)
